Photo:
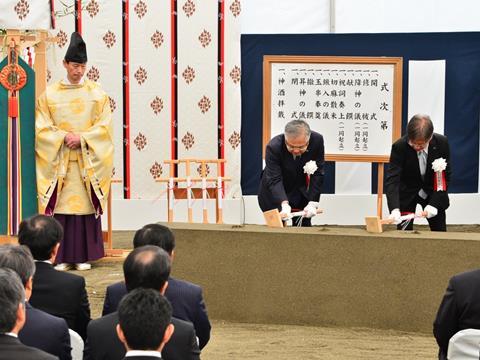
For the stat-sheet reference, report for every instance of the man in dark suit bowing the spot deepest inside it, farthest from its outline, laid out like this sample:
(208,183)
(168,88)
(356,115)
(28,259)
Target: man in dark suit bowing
(55,292)
(419,173)
(186,298)
(144,324)
(145,267)
(12,319)
(41,330)
(294,170)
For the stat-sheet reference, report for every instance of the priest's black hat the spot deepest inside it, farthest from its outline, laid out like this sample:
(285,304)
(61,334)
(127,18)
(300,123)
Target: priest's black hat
(77,50)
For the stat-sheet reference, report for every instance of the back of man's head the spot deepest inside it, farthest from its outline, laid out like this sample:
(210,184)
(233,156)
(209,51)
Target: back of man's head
(12,294)
(144,316)
(40,234)
(147,267)
(19,259)
(155,234)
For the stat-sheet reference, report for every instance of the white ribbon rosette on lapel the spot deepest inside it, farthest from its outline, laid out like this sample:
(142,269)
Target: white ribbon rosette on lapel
(309,169)
(439,179)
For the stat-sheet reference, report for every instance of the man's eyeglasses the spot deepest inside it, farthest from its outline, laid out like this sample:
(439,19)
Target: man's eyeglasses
(292,147)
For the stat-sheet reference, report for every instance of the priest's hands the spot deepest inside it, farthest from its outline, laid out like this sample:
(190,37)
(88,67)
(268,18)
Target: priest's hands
(286,210)
(72,141)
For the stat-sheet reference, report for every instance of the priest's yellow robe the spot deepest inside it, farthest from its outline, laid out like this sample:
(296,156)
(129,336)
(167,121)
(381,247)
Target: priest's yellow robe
(83,109)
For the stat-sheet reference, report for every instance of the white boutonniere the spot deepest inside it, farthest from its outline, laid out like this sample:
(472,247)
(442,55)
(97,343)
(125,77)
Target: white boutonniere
(309,169)
(439,164)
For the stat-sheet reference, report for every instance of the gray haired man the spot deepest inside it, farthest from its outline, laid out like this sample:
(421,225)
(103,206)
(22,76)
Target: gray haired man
(286,183)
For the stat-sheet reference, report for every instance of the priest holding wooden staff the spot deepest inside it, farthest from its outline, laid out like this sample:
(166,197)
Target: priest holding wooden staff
(74,155)
(419,173)
(293,174)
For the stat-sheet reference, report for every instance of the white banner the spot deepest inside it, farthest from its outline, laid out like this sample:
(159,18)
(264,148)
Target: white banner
(25,14)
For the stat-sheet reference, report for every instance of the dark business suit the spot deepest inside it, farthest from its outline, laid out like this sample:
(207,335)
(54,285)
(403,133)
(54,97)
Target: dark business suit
(284,178)
(46,332)
(186,299)
(459,310)
(103,343)
(403,180)
(63,295)
(11,348)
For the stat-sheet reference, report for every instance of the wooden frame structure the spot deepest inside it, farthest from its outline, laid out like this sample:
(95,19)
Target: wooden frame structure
(397,62)
(174,192)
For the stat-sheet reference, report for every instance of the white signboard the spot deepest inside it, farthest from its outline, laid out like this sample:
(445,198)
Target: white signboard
(352,102)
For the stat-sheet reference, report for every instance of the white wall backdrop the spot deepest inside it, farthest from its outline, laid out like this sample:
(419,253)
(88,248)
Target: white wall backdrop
(354,16)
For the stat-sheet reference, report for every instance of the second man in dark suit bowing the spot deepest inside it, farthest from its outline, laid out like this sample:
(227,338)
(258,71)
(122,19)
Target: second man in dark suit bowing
(294,170)
(411,179)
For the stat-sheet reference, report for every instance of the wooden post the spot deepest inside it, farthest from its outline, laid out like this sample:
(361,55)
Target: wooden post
(107,235)
(380,189)
(7,239)
(170,186)
(203,175)
(220,186)
(189,188)
(40,65)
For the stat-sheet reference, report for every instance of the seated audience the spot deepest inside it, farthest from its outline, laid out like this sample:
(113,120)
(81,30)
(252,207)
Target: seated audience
(41,330)
(186,298)
(144,324)
(145,267)
(459,310)
(12,319)
(55,292)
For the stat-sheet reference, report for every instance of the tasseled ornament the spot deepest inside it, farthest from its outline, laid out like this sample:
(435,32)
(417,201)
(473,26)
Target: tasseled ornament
(13,105)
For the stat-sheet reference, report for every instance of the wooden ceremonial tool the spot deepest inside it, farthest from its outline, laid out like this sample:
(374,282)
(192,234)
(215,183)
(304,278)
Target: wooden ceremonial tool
(375,224)
(300,213)
(273,218)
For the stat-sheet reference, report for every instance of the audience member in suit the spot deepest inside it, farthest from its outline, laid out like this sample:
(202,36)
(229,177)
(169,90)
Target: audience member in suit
(145,267)
(41,330)
(144,324)
(459,309)
(410,179)
(57,293)
(186,298)
(12,319)
(284,184)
